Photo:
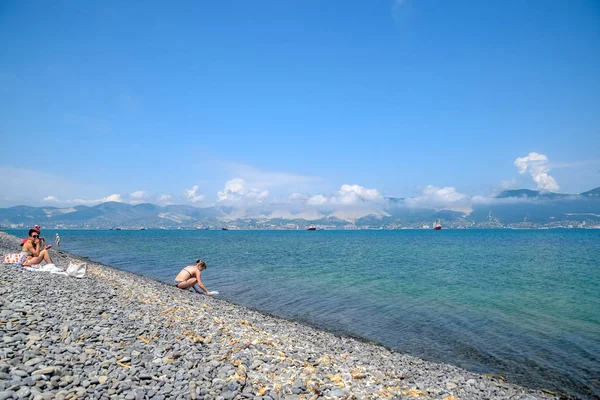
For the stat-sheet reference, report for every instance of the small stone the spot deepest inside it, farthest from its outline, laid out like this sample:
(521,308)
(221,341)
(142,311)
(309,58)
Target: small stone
(24,392)
(228,395)
(450,385)
(45,371)
(139,394)
(337,393)
(255,364)
(33,361)
(471,382)
(8,394)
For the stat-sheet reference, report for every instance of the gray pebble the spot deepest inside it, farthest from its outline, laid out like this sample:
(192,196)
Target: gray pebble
(337,393)
(20,373)
(8,394)
(145,326)
(228,395)
(24,392)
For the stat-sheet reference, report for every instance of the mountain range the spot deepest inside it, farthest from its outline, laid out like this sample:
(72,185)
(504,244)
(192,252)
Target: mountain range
(522,206)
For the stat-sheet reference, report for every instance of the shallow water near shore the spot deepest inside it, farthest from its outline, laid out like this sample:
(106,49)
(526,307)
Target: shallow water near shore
(521,304)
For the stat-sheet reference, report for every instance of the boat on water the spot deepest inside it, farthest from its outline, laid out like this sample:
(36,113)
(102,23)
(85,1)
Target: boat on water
(118,229)
(437,226)
(311,228)
(224,229)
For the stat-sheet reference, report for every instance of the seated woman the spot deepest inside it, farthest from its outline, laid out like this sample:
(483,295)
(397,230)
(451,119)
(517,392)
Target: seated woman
(35,250)
(190,276)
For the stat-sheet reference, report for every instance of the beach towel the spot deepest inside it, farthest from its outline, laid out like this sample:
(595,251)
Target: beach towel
(15,258)
(53,269)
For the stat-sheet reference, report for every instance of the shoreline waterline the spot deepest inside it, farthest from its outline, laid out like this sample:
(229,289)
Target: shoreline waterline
(201,345)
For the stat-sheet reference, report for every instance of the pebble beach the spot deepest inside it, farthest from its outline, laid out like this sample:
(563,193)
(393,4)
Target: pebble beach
(113,334)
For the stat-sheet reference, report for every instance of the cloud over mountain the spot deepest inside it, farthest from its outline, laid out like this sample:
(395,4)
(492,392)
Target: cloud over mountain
(441,198)
(192,195)
(236,190)
(537,165)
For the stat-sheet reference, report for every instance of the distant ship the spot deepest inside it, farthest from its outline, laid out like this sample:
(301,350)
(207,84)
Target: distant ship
(118,229)
(437,226)
(142,229)
(311,228)
(224,229)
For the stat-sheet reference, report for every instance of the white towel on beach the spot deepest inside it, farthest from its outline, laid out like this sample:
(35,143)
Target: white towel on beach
(53,269)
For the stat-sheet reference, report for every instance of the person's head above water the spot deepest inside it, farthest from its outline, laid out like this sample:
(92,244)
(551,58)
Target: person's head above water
(200,264)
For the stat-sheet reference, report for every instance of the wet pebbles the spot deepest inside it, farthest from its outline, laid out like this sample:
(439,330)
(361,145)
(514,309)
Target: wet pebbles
(114,334)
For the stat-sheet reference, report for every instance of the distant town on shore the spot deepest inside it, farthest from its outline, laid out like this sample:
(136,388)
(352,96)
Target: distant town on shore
(515,209)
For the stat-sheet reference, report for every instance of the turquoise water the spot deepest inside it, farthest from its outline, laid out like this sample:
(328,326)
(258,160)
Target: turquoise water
(524,304)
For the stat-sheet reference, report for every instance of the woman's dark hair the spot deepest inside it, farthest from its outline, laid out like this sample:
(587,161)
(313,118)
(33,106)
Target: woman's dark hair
(201,263)
(33,230)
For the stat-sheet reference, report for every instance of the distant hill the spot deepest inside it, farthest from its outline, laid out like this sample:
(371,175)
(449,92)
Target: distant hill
(526,193)
(539,207)
(592,193)
(509,207)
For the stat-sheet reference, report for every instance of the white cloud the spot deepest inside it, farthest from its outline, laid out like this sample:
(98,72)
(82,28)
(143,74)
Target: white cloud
(297,198)
(137,197)
(51,198)
(317,200)
(192,196)
(441,198)
(352,194)
(347,195)
(537,165)
(113,197)
(165,199)
(258,195)
(138,194)
(237,190)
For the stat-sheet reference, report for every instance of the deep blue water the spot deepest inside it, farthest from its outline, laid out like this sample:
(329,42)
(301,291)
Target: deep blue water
(524,304)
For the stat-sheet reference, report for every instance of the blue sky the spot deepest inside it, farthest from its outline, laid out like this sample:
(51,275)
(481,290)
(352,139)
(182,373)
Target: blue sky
(274,101)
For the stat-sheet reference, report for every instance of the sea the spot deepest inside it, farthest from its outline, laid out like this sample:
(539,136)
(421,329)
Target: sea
(521,304)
